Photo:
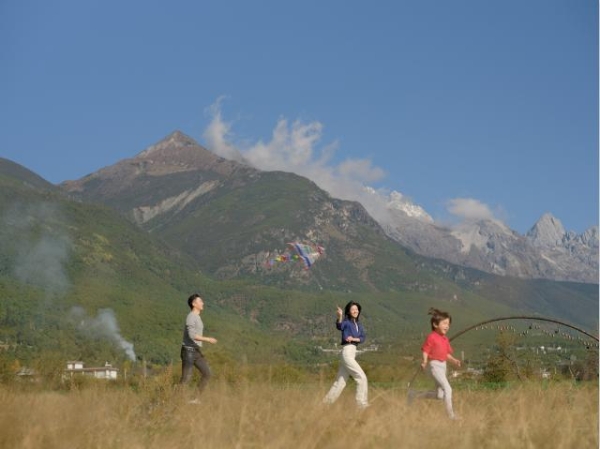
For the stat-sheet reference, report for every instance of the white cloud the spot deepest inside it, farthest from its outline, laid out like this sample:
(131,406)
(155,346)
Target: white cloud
(218,133)
(470,209)
(294,147)
(361,169)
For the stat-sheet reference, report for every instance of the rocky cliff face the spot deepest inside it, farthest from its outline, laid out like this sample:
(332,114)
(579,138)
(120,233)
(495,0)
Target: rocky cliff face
(548,232)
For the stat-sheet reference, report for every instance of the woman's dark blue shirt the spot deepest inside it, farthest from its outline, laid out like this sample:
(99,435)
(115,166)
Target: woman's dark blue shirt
(350,328)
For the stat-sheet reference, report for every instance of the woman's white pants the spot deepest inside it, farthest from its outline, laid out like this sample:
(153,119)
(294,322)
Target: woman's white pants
(349,367)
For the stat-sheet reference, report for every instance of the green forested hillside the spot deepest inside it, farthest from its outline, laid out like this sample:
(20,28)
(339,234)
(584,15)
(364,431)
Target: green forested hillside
(62,263)
(79,281)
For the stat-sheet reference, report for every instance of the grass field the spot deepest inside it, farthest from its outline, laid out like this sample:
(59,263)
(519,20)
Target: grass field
(156,415)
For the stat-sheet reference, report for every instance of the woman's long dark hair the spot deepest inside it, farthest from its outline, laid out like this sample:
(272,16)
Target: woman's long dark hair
(347,310)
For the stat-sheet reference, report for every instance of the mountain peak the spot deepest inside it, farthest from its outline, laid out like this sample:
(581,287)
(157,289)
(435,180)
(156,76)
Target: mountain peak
(174,141)
(178,152)
(179,137)
(397,201)
(548,231)
(590,237)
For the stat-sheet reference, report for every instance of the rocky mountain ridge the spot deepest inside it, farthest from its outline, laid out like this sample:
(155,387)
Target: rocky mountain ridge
(234,219)
(547,251)
(169,183)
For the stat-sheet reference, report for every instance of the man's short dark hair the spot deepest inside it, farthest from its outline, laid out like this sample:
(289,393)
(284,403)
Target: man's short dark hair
(191,299)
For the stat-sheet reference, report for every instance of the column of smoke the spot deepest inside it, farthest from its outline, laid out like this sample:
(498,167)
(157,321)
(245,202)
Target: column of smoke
(104,325)
(43,248)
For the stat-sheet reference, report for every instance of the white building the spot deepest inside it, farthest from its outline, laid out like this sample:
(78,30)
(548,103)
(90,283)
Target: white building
(104,372)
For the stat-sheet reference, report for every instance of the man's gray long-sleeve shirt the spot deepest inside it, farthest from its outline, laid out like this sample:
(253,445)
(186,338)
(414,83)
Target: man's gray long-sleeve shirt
(193,326)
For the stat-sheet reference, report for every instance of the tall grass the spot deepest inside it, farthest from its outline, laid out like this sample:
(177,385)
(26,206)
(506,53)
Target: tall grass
(157,415)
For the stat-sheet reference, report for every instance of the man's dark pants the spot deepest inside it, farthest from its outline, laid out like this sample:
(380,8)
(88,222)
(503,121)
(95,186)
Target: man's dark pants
(191,357)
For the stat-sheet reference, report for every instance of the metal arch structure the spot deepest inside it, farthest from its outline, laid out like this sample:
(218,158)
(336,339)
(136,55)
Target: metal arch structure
(522,317)
(506,318)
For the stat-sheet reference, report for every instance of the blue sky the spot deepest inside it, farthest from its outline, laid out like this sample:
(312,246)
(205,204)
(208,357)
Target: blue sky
(489,105)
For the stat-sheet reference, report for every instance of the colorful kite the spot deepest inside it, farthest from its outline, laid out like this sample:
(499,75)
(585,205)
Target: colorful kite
(307,253)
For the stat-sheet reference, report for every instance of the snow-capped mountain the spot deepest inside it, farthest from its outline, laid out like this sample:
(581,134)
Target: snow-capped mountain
(399,202)
(546,251)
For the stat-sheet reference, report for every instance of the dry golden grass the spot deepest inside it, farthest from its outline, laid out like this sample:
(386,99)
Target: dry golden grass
(254,415)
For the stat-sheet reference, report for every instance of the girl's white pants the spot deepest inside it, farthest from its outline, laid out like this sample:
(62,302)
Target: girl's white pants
(444,390)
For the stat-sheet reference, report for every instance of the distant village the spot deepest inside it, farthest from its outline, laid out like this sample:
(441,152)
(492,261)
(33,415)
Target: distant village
(76,368)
